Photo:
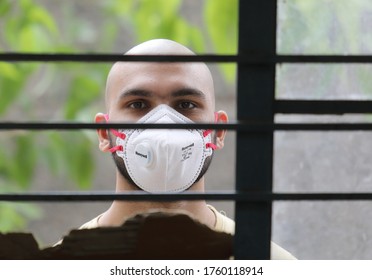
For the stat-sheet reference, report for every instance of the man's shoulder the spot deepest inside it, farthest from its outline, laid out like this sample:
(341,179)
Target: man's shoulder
(225,224)
(92,223)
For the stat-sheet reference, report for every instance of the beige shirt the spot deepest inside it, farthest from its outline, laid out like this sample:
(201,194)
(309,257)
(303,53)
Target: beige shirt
(227,225)
(224,224)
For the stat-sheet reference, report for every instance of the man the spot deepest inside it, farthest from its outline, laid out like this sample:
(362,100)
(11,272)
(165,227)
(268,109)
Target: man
(162,160)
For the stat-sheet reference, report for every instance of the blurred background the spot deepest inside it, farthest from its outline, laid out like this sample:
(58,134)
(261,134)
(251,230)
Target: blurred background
(71,161)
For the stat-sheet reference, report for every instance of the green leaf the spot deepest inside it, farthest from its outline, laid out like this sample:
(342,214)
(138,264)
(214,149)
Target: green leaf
(5,6)
(11,31)
(122,7)
(53,153)
(4,166)
(229,70)
(197,40)
(10,219)
(26,4)
(41,16)
(71,153)
(14,216)
(156,19)
(168,8)
(33,38)
(30,29)
(180,31)
(79,161)
(26,39)
(222,19)
(24,160)
(84,90)
(110,33)
(9,91)
(9,71)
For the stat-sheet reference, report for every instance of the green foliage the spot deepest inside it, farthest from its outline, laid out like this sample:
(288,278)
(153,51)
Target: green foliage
(24,28)
(84,90)
(71,155)
(160,19)
(5,6)
(304,27)
(14,216)
(222,28)
(12,78)
(28,27)
(21,168)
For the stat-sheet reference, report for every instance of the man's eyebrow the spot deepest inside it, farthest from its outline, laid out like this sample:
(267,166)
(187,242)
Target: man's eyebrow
(135,93)
(189,92)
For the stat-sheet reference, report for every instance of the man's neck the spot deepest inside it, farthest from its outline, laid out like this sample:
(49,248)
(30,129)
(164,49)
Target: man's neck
(120,211)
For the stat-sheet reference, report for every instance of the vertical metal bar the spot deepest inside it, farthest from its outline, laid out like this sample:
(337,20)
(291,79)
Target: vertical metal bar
(254,154)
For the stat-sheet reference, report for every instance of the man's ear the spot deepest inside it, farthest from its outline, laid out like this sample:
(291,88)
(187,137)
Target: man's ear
(103,138)
(221,117)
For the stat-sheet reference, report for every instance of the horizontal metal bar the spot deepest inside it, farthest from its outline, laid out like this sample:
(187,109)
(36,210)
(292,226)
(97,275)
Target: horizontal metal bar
(72,126)
(238,126)
(213,58)
(336,107)
(81,57)
(141,196)
(323,59)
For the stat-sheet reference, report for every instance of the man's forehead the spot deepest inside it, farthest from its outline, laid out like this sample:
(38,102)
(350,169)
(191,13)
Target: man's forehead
(122,70)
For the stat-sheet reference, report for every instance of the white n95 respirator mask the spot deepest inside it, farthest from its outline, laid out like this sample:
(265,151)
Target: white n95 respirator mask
(163,160)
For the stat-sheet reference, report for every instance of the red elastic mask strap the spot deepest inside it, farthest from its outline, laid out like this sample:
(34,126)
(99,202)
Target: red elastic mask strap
(117,134)
(114,131)
(211,145)
(116,148)
(209,131)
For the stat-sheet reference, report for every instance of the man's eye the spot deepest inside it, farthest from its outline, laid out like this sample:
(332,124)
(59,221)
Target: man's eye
(187,105)
(137,105)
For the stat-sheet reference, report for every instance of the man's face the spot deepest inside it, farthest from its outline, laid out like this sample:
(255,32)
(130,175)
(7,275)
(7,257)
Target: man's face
(135,89)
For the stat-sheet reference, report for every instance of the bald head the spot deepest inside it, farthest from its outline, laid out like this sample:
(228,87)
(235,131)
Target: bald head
(120,71)
(160,47)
